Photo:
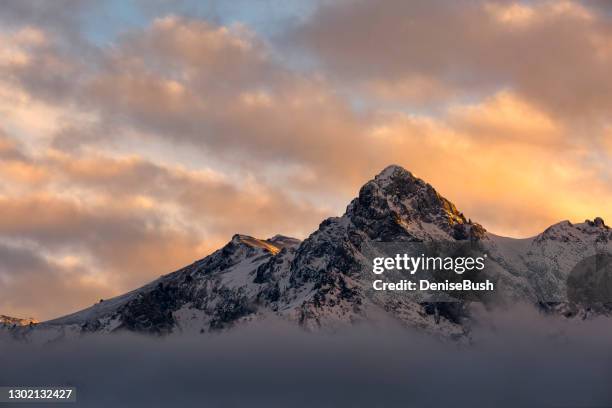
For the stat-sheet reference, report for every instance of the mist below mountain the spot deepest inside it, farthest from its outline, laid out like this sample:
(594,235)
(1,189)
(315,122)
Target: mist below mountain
(532,361)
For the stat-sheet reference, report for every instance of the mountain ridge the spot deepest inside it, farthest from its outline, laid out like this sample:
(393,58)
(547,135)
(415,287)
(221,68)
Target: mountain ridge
(321,282)
(10,321)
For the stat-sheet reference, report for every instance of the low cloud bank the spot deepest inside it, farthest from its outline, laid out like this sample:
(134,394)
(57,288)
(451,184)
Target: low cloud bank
(515,360)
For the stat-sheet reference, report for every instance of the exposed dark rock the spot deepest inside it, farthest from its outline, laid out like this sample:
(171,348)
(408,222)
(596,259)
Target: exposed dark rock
(232,305)
(152,311)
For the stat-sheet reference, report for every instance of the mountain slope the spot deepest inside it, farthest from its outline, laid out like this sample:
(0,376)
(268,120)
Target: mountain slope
(537,269)
(326,281)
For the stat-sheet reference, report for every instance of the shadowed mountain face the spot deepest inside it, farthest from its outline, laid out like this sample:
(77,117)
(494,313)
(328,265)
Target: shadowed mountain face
(325,281)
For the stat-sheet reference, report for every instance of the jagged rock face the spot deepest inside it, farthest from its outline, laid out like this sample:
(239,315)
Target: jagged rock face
(325,280)
(201,286)
(152,311)
(395,205)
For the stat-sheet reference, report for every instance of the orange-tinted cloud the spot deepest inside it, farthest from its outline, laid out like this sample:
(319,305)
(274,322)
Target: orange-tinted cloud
(124,161)
(554,53)
(111,224)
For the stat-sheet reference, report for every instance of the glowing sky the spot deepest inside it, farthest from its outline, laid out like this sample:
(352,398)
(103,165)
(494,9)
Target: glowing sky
(136,137)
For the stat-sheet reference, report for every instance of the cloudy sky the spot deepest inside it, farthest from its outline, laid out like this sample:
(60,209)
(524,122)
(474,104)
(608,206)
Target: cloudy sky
(136,137)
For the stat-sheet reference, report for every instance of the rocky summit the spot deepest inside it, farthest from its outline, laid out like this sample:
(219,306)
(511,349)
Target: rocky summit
(325,281)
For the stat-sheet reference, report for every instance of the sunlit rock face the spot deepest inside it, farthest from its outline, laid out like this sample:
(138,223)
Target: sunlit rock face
(8,321)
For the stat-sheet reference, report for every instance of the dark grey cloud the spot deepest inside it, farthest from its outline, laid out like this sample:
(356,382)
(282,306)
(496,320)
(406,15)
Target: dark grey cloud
(517,364)
(30,283)
(58,15)
(9,148)
(16,261)
(121,238)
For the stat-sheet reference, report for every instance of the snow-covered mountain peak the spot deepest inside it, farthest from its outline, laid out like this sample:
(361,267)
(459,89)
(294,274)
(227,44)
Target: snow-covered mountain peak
(326,279)
(567,232)
(402,201)
(391,173)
